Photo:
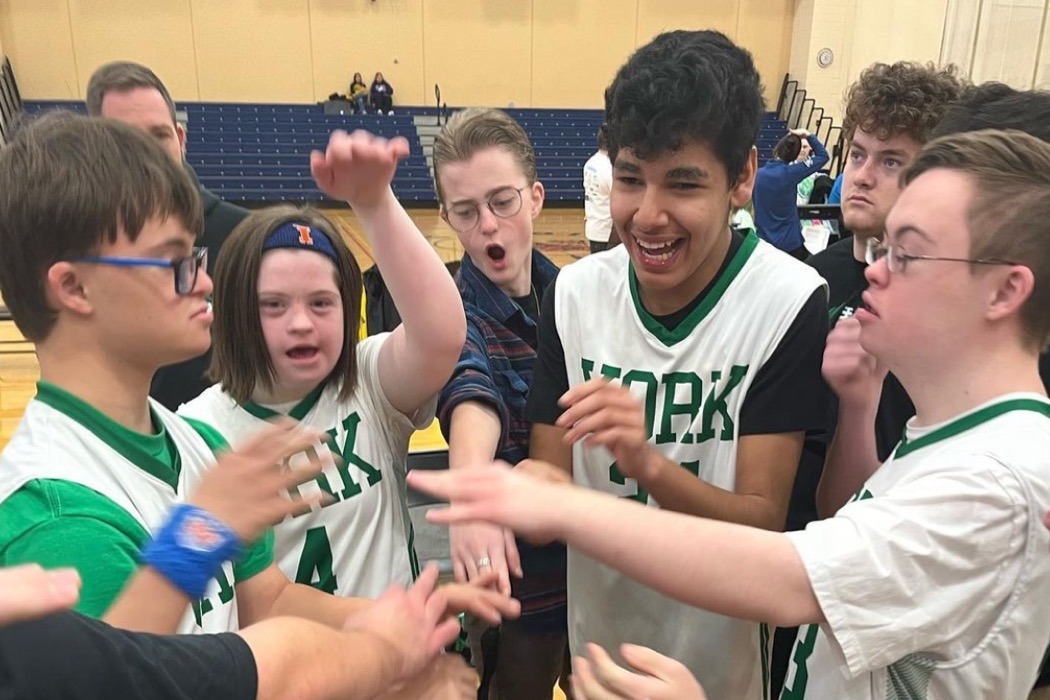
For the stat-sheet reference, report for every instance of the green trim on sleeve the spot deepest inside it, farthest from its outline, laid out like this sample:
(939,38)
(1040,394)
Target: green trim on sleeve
(212,437)
(59,523)
(970,420)
(257,557)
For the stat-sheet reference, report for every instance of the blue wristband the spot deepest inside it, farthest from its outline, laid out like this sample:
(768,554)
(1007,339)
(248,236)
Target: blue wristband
(190,549)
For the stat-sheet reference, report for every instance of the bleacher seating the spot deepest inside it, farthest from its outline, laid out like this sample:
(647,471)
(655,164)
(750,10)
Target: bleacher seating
(260,152)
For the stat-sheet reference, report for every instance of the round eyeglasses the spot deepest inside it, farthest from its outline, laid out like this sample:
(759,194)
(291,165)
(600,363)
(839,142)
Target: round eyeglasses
(185,269)
(503,203)
(897,258)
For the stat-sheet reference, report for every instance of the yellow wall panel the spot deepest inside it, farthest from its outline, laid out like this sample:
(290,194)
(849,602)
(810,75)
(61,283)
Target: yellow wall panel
(479,51)
(764,29)
(362,36)
(253,50)
(157,33)
(37,39)
(656,16)
(578,46)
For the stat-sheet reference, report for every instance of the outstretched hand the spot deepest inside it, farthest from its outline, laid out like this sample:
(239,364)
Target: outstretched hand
(658,677)
(358,168)
(497,495)
(30,591)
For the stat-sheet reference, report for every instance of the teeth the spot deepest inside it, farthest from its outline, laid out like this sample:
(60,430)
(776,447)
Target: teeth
(657,251)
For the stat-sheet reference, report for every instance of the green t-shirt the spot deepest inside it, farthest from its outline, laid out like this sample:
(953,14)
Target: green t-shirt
(58,523)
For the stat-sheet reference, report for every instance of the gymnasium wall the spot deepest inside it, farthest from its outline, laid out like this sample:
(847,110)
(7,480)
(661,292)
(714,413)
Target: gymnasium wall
(556,53)
(860,32)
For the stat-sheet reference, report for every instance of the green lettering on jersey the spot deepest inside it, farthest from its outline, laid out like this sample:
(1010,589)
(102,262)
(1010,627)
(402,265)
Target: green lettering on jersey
(638,376)
(718,403)
(204,606)
(640,494)
(803,650)
(608,371)
(671,408)
(315,565)
(347,457)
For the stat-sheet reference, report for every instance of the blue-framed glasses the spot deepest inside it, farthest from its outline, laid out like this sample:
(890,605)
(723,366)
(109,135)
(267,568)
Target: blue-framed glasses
(185,269)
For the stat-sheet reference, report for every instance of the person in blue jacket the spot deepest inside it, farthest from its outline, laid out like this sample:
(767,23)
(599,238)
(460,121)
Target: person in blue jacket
(797,156)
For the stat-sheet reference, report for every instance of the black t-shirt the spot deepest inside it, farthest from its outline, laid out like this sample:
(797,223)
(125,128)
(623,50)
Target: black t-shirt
(787,394)
(69,656)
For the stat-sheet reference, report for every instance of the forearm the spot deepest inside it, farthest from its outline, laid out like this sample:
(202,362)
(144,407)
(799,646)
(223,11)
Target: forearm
(547,444)
(422,290)
(851,458)
(298,600)
(474,435)
(723,567)
(679,490)
(301,659)
(149,603)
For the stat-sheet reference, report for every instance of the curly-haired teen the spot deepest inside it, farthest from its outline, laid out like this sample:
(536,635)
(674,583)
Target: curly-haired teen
(719,336)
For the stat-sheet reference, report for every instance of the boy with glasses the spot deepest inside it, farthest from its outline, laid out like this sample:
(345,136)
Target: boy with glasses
(485,177)
(933,581)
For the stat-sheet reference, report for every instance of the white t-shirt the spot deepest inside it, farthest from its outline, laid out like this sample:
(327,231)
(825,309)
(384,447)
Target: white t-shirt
(362,542)
(935,578)
(597,184)
(693,382)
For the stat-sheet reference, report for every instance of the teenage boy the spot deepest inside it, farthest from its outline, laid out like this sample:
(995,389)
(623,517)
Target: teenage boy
(718,334)
(933,581)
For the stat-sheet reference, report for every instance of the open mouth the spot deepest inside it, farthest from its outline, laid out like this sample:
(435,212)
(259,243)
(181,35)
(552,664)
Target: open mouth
(658,253)
(496,252)
(302,352)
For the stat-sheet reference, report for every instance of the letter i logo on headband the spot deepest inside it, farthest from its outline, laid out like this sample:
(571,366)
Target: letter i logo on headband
(304,234)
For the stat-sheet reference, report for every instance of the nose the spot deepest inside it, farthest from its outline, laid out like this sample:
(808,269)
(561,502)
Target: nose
(878,272)
(299,320)
(204,285)
(861,174)
(651,214)
(488,223)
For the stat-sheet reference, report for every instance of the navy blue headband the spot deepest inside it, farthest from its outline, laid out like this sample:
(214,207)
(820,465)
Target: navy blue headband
(295,235)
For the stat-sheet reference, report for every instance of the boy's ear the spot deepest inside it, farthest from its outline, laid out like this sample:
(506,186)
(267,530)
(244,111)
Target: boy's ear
(65,289)
(740,192)
(537,194)
(1010,294)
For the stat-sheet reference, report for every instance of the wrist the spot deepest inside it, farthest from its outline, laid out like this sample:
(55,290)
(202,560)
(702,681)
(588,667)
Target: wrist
(190,548)
(369,209)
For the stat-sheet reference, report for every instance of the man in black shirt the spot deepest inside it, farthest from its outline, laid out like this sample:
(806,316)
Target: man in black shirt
(132,93)
(48,653)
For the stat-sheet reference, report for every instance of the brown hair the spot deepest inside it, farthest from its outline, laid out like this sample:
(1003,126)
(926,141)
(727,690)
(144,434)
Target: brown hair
(122,76)
(788,148)
(901,98)
(472,130)
(69,183)
(1010,208)
(240,359)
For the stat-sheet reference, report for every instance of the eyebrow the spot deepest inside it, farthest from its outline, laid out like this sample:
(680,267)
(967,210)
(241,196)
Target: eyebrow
(487,195)
(687,173)
(175,244)
(906,230)
(880,152)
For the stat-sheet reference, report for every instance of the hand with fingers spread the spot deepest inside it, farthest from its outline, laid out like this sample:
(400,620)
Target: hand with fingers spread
(247,489)
(603,414)
(30,591)
(479,549)
(412,623)
(358,168)
(498,495)
(854,375)
(480,600)
(654,676)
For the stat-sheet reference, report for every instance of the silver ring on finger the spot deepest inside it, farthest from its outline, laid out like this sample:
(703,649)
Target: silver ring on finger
(483,561)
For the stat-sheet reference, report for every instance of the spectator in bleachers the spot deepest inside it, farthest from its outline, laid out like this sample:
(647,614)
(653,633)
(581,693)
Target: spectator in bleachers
(358,94)
(597,185)
(485,170)
(795,157)
(382,95)
(132,93)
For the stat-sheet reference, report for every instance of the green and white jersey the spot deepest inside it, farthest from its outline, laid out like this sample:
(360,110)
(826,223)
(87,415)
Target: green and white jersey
(361,541)
(692,382)
(935,579)
(77,489)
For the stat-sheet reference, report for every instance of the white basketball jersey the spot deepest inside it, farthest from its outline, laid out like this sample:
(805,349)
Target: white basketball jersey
(692,382)
(362,541)
(935,578)
(51,445)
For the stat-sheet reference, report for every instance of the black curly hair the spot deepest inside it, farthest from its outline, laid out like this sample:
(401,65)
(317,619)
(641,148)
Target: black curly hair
(686,85)
(901,98)
(997,106)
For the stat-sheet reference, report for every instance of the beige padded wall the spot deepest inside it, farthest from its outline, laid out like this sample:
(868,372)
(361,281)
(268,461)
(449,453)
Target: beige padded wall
(559,53)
